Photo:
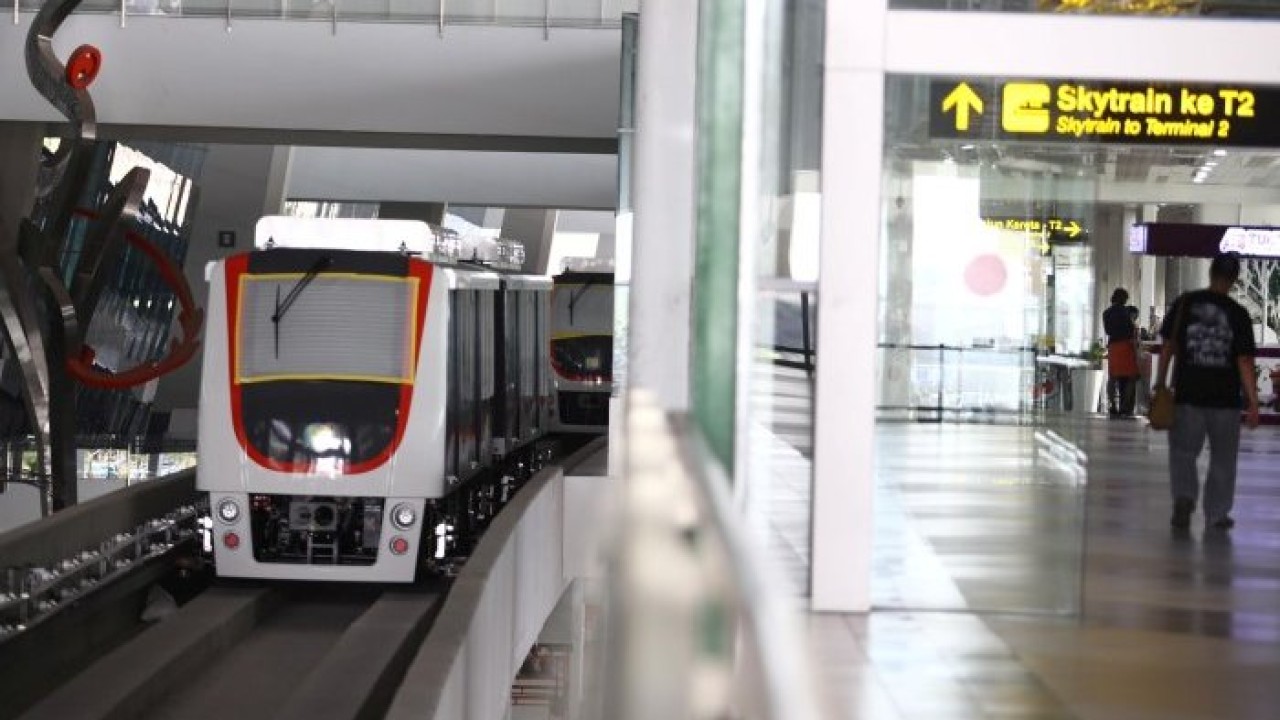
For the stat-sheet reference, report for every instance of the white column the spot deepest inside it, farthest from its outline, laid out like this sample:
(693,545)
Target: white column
(663,201)
(844,428)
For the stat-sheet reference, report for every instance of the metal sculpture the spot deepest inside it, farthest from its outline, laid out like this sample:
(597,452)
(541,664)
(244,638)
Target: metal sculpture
(44,320)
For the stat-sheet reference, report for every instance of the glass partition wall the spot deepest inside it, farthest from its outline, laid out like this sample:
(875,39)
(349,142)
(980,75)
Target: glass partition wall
(986,326)
(1161,8)
(755,302)
(959,394)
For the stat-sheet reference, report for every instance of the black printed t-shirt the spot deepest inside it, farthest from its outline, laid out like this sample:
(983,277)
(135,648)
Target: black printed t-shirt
(1215,332)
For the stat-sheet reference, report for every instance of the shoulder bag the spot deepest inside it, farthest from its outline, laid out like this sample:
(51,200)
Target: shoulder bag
(1160,413)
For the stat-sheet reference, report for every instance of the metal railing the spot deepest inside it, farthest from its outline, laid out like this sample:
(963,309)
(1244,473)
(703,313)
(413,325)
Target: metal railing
(800,356)
(700,626)
(439,14)
(46,565)
(931,383)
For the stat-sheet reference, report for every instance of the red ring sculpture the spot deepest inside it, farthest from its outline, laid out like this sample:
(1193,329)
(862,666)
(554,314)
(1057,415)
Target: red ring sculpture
(190,319)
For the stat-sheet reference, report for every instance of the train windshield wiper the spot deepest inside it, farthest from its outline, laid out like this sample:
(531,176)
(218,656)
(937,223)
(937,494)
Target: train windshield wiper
(321,263)
(575,296)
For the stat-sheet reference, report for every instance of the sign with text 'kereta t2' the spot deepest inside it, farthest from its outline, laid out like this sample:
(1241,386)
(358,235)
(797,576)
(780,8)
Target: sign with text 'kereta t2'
(1105,112)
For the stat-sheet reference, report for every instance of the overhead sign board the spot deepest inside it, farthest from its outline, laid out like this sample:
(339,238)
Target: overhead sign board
(1106,112)
(1195,240)
(1060,229)
(1254,242)
(1138,239)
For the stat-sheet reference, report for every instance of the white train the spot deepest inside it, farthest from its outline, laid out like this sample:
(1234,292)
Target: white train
(582,345)
(345,392)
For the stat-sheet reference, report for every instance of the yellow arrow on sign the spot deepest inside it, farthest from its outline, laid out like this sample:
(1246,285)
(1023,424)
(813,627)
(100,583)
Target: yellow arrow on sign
(963,100)
(1073,229)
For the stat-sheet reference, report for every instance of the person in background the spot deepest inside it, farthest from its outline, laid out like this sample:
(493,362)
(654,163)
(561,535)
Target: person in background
(1142,384)
(1122,355)
(1212,337)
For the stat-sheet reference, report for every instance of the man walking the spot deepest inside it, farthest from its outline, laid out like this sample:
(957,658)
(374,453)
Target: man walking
(1212,338)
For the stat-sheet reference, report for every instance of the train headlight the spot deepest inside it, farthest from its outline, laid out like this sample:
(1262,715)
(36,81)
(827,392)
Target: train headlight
(228,511)
(403,516)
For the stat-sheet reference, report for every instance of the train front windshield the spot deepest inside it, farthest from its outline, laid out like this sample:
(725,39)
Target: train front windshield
(582,327)
(321,361)
(587,358)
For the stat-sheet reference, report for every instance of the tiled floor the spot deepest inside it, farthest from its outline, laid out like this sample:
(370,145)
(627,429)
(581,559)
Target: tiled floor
(1010,588)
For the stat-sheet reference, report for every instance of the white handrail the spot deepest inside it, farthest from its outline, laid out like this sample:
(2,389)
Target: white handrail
(702,626)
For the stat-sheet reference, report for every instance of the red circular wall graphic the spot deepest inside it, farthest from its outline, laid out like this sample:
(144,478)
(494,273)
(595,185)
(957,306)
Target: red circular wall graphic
(986,275)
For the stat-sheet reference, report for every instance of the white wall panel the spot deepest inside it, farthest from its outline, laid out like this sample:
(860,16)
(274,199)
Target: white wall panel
(489,651)
(589,503)
(495,612)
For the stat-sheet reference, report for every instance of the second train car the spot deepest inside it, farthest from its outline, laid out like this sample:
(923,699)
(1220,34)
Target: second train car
(582,345)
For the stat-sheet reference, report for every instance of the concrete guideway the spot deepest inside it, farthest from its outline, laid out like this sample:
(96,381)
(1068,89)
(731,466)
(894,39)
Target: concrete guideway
(262,651)
(137,675)
(353,651)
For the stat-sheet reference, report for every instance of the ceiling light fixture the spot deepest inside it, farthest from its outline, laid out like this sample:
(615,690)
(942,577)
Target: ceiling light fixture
(1219,152)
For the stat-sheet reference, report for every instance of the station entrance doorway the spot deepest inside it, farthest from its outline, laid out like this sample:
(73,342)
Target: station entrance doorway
(1010,208)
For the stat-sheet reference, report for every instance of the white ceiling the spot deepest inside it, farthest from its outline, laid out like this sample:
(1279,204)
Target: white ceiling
(494,179)
(1125,174)
(366,77)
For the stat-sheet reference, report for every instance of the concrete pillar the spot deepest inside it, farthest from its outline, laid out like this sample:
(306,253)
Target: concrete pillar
(19,165)
(277,180)
(237,185)
(473,214)
(894,381)
(430,213)
(493,218)
(1113,264)
(535,228)
(1183,274)
(606,249)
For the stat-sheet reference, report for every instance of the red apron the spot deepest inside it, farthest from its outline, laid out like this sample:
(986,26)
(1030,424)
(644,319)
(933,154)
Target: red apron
(1122,359)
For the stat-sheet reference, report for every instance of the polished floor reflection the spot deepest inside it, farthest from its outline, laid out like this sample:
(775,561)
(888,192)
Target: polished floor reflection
(779,494)
(978,518)
(994,610)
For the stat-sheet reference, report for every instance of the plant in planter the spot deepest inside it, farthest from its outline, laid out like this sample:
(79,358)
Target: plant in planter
(1096,353)
(1095,378)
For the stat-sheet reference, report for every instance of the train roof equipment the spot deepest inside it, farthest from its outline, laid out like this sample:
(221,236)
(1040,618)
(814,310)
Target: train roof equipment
(412,237)
(573,265)
(284,231)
